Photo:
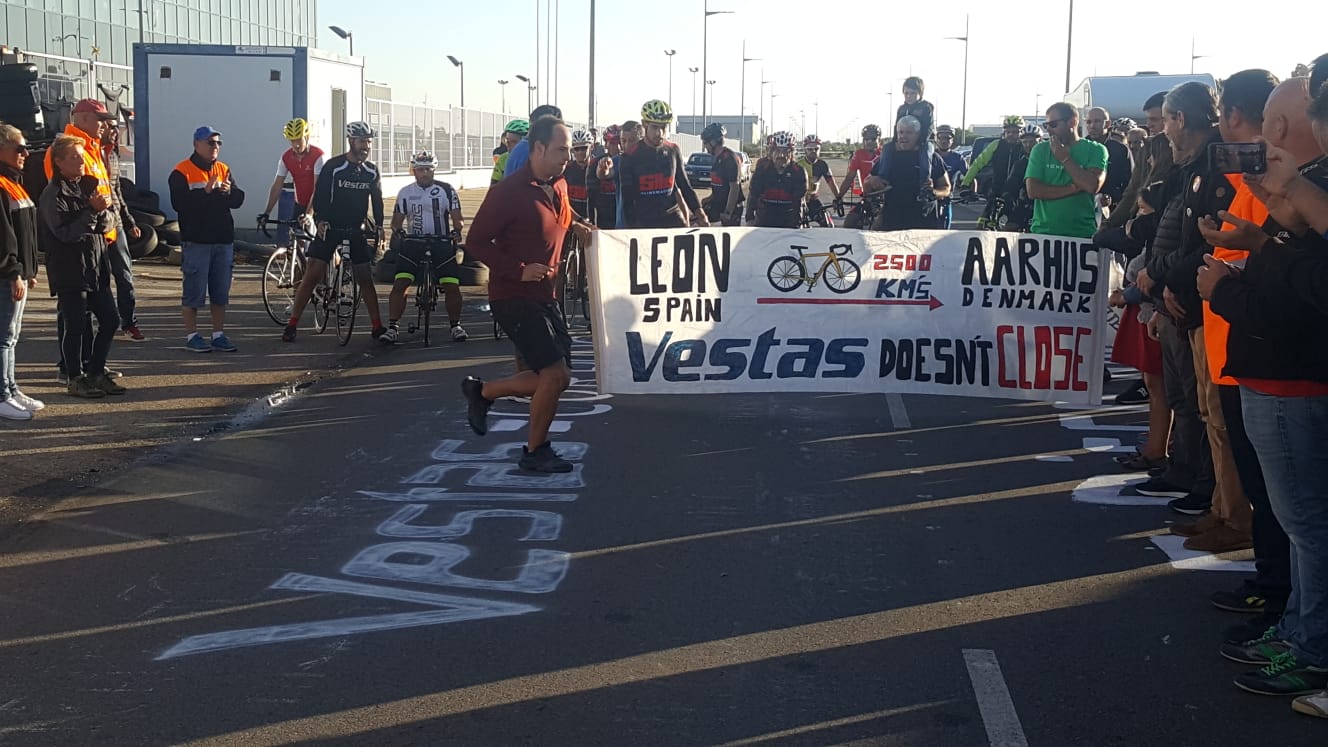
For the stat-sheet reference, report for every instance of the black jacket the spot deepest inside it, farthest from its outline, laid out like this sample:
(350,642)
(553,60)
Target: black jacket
(1120,167)
(18,234)
(73,236)
(205,217)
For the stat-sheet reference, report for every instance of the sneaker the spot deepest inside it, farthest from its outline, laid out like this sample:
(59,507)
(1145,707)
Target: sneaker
(1206,523)
(83,387)
(389,336)
(477,407)
(1284,675)
(112,374)
(223,344)
(107,384)
(1260,651)
(1159,488)
(1254,628)
(61,377)
(1191,504)
(1159,470)
(1135,395)
(1219,540)
(543,459)
(1312,705)
(1247,599)
(133,333)
(196,344)
(28,403)
(10,409)
(288,334)
(459,334)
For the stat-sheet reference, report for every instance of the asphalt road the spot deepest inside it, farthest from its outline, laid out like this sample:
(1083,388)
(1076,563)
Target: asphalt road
(358,568)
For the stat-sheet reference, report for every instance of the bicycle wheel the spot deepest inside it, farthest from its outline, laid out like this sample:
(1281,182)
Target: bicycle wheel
(842,275)
(786,273)
(428,294)
(347,301)
(583,288)
(572,283)
(323,300)
(281,277)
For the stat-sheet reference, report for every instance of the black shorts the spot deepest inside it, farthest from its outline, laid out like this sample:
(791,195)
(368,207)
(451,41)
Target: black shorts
(410,260)
(537,330)
(360,254)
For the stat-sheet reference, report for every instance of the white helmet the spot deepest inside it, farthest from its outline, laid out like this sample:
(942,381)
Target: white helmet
(359,130)
(1031,131)
(582,138)
(423,160)
(783,139)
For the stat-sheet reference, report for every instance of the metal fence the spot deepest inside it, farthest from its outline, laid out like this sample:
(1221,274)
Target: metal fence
(459,138)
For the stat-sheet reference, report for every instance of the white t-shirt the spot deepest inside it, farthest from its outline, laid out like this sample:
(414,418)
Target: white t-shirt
(426,208)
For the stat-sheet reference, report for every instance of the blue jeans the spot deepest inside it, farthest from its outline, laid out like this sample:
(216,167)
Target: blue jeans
(11,322)
(1289,433)
(122,269)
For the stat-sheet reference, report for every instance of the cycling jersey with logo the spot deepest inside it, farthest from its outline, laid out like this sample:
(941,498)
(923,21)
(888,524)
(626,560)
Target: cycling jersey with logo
(815,173)
(346,191)
(302,170)
(863,162)
(603,195)
(577,193)
(426,208)
(649,178)
(778,195)
(723,176)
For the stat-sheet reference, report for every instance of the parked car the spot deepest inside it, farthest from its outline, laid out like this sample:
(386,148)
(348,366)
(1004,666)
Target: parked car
(698,169)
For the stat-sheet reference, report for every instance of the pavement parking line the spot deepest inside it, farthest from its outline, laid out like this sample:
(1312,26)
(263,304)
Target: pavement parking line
(998,714)
(898,414)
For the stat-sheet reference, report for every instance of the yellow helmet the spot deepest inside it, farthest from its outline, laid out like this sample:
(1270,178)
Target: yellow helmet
(295,129)
(656,112)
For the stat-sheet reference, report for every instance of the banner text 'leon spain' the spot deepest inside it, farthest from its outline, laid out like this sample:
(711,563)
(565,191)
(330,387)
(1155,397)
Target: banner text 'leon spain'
(697,264)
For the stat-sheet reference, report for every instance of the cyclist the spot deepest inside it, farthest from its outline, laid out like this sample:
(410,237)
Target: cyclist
(516,157)
(817,171)
(859,168)
(1016,208)
(955,167)
(513,133)
(301,164)
(348,186)
(578,173)
(652,179)
(421,219)
(779,187)
(724,205)
(1001,156)
(602,186)
(912,192)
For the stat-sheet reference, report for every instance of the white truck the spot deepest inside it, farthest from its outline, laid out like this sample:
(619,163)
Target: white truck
(1124,95)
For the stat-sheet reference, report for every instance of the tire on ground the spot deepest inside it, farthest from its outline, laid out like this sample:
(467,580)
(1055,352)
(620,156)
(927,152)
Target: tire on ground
(473,273)
(150,218)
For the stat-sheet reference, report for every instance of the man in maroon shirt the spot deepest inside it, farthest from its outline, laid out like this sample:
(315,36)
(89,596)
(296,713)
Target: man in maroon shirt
(518,232)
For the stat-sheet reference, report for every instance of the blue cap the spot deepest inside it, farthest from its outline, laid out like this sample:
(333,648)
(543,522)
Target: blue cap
(205,132)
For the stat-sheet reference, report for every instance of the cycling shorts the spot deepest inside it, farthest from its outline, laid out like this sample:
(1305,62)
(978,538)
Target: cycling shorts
(410,260)
(360,253)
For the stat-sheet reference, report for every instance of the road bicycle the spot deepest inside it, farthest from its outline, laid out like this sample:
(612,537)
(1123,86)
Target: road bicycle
(864,213)
(284,271)
(841,274)
(815,214)
(573,296)
(426,288)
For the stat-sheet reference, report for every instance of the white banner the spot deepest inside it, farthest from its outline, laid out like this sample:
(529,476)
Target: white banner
(972,313)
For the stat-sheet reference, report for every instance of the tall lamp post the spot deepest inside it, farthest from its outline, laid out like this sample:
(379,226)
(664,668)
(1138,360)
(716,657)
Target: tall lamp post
(669,53)
(742,97)
(503,83)
(1194,56)
(1069,46)
(705,50)
(530,89)
(963,119)
(710,83)
(693,71)
(761,106)
(348,36)
(774,125)
(462,67)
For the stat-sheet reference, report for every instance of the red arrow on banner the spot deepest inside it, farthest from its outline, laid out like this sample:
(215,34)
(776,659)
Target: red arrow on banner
(932,303)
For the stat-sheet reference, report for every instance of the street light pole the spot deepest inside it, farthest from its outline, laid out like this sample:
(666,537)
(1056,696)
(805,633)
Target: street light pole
(503,83)
(693,71)
(1069,46)
(669,53)
(761,106)
(592,63)
(462,67)
(710,83)
(1194,56)
(963,120)
(530,89)
(344,34)
(742,97)
(774,125)
(705,50)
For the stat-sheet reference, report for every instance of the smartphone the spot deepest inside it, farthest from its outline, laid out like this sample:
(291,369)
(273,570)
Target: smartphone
(1239,158)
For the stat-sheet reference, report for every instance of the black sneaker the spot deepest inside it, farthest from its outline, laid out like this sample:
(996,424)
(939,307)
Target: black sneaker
(1247,599)
(288,335)
(1284,675)
(543,459)
(1253,628)
(1258,651)
(1191,505)
(1159,488)
(1135,395)
(477,407)
(1159,471)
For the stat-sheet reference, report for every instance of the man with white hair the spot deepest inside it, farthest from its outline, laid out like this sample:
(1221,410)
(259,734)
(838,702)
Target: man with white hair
(913,196)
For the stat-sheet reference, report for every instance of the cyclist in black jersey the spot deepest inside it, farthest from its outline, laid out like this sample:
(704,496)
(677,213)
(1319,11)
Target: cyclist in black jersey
(724,205)
(652,179)
(817,171)
(602,185)
(577,174)
(778,187)
(348,186)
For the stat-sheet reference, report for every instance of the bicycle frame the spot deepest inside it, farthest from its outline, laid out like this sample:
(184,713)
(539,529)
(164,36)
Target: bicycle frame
(831,257)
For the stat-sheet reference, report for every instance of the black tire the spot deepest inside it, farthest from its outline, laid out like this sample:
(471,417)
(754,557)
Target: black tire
(426,308)
(169,235)
(144,200)
(346,287)
(323,308)
(472,274)
(164,249)
(280,281)
(150,218)
(145,245)
(842,276)
(779,273)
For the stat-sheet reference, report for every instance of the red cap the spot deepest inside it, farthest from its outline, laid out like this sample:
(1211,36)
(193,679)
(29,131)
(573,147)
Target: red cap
(92,106)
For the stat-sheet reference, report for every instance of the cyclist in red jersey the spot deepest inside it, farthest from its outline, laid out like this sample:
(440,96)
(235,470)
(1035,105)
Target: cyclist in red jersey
(301,164)
(653,181)
(859,168)
(578,173)
(779,187)
(602,186)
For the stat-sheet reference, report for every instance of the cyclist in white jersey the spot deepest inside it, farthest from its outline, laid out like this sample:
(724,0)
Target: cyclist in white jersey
(421,218)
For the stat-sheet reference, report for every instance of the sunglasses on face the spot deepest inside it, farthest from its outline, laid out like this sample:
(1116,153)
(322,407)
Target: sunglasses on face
(21,148)
(1054,123)
(214,143)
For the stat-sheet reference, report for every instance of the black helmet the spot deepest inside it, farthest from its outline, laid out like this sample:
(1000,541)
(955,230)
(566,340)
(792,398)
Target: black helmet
(871,132)
(713,131)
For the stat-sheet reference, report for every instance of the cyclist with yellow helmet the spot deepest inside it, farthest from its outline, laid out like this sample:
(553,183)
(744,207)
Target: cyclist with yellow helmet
(653,179)
(513,133)
(300,164)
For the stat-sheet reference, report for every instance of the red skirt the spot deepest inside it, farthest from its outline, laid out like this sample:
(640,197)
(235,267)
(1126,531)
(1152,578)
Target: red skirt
(1134,347)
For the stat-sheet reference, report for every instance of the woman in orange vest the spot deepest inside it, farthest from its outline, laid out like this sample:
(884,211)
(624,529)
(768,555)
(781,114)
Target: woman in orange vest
(18,267)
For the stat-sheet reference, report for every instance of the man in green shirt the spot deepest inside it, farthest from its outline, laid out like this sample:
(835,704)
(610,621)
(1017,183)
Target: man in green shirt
(1064,174)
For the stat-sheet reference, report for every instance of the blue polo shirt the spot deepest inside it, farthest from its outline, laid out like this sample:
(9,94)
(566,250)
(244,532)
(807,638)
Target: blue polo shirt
(517,158)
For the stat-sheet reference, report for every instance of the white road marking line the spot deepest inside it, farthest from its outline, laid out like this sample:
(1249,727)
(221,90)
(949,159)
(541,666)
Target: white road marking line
(1086,423)
(1195,560)
(998,714)
(898,413)
(1105,490)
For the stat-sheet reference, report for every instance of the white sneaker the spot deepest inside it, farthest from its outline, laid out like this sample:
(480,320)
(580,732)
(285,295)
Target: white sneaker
(1312,705)
(389,336)
(10,409)
(459,334)
(28,403)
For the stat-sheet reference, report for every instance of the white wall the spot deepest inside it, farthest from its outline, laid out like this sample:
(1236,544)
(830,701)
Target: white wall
(461,179)
(232,94)
(326,73)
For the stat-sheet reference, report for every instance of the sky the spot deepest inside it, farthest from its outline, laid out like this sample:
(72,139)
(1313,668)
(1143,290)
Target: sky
(1017,58)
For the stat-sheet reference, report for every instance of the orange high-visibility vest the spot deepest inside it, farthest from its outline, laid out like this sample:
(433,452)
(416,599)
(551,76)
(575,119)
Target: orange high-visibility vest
(1216,330)
(17,194)
(197,178)
(93,166)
